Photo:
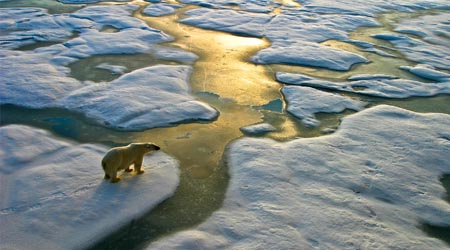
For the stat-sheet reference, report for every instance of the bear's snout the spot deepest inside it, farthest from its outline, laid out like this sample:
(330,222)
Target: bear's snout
(157,147)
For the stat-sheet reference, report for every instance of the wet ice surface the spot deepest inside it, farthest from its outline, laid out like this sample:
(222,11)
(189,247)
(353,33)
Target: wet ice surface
(366,186)
(54,196)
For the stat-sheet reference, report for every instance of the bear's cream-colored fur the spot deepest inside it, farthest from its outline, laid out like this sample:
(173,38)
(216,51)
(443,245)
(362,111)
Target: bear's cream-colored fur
(121,158)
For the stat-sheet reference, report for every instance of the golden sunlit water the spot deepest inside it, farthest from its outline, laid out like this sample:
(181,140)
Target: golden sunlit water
(223,77)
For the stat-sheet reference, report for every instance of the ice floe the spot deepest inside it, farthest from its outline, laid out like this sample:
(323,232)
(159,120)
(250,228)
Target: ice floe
(54,196)
(431,49)
(431,28)
(308,54)
(40,78)
(24,26)
(369,185)
(258,129)
(160,9)
(382,87)
(304,102)
(244,23)
(28,79)
(428,72)
(133,102)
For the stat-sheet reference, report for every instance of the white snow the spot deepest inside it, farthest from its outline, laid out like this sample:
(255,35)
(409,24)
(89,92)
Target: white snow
(304,102)
(160,9)
(28,79)
(54,195)
(368,186)
(258,129)
(251,24)
(428,72)
(150,97)
(308,54)
(382,87)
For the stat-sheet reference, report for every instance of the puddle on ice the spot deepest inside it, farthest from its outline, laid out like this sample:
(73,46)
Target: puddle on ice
(90,68)
(243,93)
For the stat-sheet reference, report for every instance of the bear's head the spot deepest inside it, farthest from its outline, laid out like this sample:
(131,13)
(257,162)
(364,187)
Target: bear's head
(146,146)
(152,146)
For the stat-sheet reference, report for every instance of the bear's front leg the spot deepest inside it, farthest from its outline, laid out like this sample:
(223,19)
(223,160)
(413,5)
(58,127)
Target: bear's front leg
(137,167)
(114,178)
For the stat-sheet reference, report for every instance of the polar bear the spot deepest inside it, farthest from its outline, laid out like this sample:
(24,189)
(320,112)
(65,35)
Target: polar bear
(121,158)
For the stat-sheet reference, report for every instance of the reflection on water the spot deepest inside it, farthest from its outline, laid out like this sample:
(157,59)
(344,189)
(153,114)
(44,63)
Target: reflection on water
(223,67)
(223,77)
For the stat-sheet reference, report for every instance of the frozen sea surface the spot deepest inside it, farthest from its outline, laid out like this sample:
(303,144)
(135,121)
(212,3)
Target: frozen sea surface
(370,185)
(296,33)
(367,186)
(54,195)
(41,78)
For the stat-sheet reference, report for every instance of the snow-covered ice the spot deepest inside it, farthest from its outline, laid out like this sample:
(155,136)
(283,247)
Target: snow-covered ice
(428,72)
(258,129)
(367,186)
(431,28)
(160,9)
(304,102)
(308,54)
(40,78)
(382,87)
(418,50)
(133,102)
(243,23)
(54,195)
